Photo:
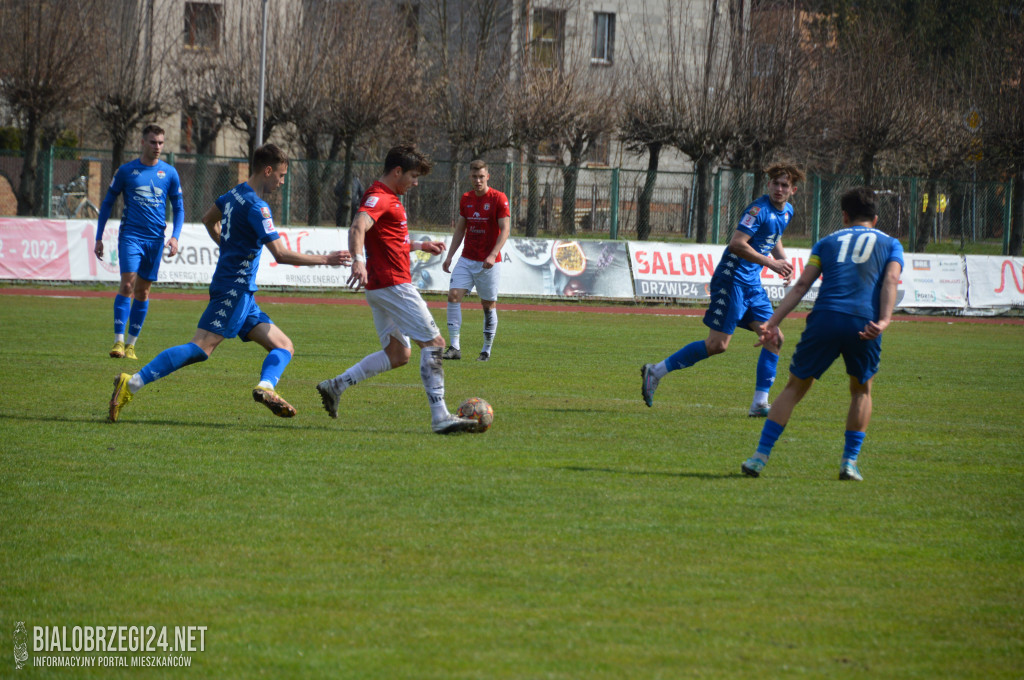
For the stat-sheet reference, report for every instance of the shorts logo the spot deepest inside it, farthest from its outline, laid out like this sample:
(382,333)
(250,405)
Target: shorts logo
(371,201)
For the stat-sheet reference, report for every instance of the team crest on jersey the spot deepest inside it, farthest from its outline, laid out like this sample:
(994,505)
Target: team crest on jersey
(754,211)
(265,211)
(371,201)
(487,206)
(160,174)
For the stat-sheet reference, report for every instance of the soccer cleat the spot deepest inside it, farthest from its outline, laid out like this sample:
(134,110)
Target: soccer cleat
(759,411)
(849,472)
(329,396)
(129,352)
(650,383)
(121,396)
(753,467)
(452,353)
(273,401)
(452,424)
(484,356)
(117,351)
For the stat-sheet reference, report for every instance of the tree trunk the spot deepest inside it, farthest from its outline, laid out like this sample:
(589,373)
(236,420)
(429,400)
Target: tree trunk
(453,182)
(924,230)
(345,207)
(314,185)
(1017,218)
(643,208)
(532,194)
(703,198)
(570,173)
(27,184)
(867,167)
(757,190)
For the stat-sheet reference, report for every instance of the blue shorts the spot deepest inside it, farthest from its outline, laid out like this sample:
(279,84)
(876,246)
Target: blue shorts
(232,312)
(735,304)
(829,334)
(141,256)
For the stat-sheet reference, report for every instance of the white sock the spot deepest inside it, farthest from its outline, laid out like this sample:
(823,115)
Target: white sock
(660,370)
(266,385)
(760,398)
(454,323)
(135,383)
(490,328)
(368,366)
(432,374)
(130,339)
(118,337)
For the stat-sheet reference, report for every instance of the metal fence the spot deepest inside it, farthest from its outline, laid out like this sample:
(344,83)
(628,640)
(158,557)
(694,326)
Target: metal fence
(605,199)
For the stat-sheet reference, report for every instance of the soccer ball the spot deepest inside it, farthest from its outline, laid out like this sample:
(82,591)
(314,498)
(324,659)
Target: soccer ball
(479,410)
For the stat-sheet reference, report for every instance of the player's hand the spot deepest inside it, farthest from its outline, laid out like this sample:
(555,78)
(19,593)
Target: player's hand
(872,330)
(358,278)
(769,336)
(338,258)
(489,262)
(447,265)
(172,246)
(432,247)
(783,268)
(98,250)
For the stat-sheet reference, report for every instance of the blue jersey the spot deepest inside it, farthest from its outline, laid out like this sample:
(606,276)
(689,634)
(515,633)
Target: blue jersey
(245,227)
(146,189)
(765,225)
(852,262)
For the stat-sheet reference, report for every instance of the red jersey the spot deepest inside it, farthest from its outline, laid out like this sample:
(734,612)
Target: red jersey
(482,214)
(387,241)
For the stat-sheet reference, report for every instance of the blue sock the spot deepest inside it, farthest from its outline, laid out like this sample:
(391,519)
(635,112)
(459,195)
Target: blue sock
(687,356)
(854,440)
(121,306)
(170,360)
(767,363)
(274,365)
(137,317)
(770,434)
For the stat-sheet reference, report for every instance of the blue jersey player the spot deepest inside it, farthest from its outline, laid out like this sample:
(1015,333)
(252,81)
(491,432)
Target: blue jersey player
(860,269)
(738,300)
(146,184)
(241,224)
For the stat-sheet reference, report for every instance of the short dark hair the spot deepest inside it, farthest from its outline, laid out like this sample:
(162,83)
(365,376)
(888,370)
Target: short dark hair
(859,204)
(796,175)
(407,157)
(478,164)
(268,156)
(152,128)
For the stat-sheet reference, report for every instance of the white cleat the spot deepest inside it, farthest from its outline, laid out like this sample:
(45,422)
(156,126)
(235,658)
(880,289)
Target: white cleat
(452,424)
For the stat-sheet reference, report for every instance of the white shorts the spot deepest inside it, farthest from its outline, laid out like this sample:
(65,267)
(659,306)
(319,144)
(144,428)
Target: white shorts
(398,312)
(470,273)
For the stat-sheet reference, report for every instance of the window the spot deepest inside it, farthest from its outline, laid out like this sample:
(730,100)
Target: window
(604,38)
(202,25)
(548,37)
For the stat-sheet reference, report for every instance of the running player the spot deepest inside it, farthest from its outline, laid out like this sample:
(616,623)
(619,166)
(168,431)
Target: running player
(398,310)
(860,268)
(738,298)
(484,222)
(240,222)
(146,184)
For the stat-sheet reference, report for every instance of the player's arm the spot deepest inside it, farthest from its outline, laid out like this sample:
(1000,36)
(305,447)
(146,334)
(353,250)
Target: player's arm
(285,256)
(769,335)
(432,247)
(739,245)
(178,212)
(460,233)
(886,302)
(105,208)
(504,227)
(211,220)
(356,238)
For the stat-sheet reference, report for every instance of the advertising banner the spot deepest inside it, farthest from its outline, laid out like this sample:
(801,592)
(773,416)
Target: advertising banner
(995,281)
(932,281)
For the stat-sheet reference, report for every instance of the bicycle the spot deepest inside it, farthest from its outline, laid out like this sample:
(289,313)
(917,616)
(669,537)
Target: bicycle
(73,201)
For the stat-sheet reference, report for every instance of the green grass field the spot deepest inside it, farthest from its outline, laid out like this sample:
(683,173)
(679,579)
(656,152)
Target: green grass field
(583,536)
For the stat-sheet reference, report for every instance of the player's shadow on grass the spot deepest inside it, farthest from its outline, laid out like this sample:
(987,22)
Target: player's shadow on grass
(650,473)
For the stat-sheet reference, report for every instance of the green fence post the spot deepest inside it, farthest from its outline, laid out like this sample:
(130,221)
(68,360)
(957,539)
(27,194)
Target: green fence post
(613,199)
(716,213)
(1011,186)
(816,210)
(912,222)
(286,200)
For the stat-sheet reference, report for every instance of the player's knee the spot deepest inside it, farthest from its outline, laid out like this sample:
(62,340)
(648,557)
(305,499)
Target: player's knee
(716,346)
(286,344)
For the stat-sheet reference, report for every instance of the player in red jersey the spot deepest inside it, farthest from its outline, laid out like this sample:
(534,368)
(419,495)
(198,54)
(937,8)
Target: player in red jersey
(399,312)
(484,222)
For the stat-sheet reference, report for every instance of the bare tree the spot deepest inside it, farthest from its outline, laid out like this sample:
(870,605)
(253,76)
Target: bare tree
(127,83)
(43,75)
